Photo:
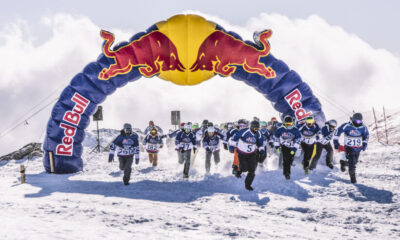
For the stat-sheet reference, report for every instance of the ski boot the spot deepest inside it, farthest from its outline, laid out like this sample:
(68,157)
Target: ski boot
(305,168)
(330,165)
(352,173)
(343,165)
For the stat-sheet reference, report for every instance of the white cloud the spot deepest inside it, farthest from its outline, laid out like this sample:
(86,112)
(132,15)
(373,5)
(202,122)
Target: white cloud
(337,64)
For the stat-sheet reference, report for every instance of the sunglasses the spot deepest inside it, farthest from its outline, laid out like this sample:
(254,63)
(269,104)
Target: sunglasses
(288,124)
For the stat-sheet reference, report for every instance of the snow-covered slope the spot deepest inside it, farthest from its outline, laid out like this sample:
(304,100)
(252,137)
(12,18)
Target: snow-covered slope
(159,204)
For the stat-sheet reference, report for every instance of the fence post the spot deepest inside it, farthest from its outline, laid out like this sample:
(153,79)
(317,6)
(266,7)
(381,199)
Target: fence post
(384,116)
(376,125)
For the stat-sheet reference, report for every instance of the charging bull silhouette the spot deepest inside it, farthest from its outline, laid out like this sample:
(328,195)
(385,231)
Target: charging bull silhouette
(153,52)
(220,52)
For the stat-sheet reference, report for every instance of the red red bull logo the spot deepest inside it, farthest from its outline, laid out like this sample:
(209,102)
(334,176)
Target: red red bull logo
(221,53)
(152,53)
(294,101)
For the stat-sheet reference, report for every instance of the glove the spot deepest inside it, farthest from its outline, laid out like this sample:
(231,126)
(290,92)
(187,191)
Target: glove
(208,149)
(364,147)
(293,151)
(262,152)
(182,150)
(111,158)
(194,149)
(136,159)
(262,156)
(278,150)
(231,149)
(336,145)
(225,146)
(163,136)
(161,146)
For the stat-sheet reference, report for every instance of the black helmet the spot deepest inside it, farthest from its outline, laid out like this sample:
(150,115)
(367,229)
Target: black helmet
(210,124)
(242,123)
(288,121)
(127,129)
(205,122)
(255,124)
(357,119)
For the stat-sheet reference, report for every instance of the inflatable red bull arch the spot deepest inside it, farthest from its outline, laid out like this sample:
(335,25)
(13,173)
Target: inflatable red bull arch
(186,50)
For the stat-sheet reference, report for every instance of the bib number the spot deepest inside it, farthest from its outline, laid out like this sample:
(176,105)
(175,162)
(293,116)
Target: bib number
(353,142)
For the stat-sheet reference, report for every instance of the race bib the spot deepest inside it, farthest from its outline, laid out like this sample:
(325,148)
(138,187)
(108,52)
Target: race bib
(353,142)
(152,147)
(309,140)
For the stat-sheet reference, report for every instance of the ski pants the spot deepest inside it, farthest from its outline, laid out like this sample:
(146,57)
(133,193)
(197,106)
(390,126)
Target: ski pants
(184,157)
(329,154)
(248,163)
(153,158)
(125,164)
(208,159)
(352,158)
(308,151)
(287,159)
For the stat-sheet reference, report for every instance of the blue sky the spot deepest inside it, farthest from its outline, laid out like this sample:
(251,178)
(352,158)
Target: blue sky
(376,22)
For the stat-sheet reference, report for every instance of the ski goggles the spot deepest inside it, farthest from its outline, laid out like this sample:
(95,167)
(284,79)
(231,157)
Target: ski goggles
(357,121)
(288,124)
(309,121)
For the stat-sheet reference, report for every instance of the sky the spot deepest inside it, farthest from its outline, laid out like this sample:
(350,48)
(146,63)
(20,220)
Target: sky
(347,51)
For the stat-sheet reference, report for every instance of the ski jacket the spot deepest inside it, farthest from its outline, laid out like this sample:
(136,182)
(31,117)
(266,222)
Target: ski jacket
(290,138)
(125,145)
(266,135)
(229,134)
(309,135)
(212,143)
(247,142)
(354,137)
(185,141)
(152,144)
(325,135)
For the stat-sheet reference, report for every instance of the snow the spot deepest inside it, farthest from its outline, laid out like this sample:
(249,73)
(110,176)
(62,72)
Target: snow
(159,204)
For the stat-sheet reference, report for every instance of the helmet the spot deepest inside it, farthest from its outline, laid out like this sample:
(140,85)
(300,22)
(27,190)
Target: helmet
(273,119)
(127,129)
(256,119)
(357,119)
(205,122)
(210,124)
(309,121)
(242,123)
(195,126)
(332,124)
(151,123)
(254,126)
(182,125)
(263,124)
(187,127)
(153,131)
(229,125)
(288,121)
